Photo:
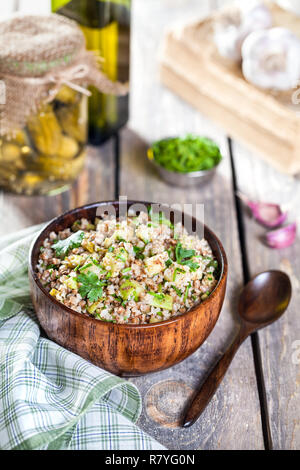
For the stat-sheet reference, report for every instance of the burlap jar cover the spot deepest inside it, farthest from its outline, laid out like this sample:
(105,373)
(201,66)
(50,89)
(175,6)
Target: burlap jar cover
(39,54)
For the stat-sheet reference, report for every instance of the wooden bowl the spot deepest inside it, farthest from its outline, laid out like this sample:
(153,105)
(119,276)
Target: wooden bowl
(125,349)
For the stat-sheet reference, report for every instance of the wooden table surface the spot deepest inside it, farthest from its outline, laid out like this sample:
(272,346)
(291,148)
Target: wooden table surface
(237,417)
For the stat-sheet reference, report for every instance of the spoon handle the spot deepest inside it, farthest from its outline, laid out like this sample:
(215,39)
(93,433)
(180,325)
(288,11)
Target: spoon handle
(212,382)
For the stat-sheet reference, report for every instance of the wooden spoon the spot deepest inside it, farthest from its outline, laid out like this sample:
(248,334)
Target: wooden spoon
(263,300)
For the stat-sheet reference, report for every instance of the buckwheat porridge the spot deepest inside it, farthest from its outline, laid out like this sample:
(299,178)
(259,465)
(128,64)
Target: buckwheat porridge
(135,270)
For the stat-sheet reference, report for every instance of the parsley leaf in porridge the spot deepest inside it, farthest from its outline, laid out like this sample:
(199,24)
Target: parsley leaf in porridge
(91,286)
(62,247)
(139,269)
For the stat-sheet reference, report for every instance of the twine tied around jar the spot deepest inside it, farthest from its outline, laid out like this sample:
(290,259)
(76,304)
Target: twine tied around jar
(39,54)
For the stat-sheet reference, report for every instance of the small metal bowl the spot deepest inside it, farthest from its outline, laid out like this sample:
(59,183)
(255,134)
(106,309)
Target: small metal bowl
(183,180)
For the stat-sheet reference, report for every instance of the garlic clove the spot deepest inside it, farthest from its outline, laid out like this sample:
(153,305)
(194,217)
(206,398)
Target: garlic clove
(268,214)
(228,43)
(271,59)
(235,22)
(282,237)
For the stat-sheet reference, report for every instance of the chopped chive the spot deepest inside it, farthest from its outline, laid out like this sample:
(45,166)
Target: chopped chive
(138,252)
(186,154)
(186,292)
(95,262)
(121,258)
(178,291)
(158,296)
(52,266)
(177,270)
(85,267)
(126,270)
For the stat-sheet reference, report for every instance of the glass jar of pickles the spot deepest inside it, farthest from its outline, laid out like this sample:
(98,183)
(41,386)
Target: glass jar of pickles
(43,118)
(48,153)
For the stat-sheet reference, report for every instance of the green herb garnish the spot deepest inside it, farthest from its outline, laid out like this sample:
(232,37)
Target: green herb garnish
(183,256)
(95,262)
(126,270)
(178,291)
(177,270)
(138,252)
(159,218)
(193,266)
(186,154)
(85,266)
(120,239)
(158,296)
(186,292)
(91,286)
(52,266)
(62,247)
(169,260)
(104,319)
(121,258)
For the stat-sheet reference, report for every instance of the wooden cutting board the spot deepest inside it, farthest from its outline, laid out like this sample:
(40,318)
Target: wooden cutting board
(268,122)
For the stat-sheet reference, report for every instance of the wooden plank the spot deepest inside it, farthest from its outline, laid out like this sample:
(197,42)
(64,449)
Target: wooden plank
(280,346)
(225,424)
(150,22)
(96,182)
(232,421)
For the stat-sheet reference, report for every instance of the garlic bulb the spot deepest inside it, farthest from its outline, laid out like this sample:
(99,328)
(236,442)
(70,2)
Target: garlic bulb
(235,22)
(271,59)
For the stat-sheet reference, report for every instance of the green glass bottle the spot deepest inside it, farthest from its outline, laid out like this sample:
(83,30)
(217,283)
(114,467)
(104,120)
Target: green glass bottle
(106,26)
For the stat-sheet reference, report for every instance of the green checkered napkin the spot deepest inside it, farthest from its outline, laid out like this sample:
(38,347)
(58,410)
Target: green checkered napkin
(50,398)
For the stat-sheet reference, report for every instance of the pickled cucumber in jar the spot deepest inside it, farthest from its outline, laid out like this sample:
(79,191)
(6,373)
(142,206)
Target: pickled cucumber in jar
(48,154)
(11,153)
(45,131)
(67,95)
(73,121)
